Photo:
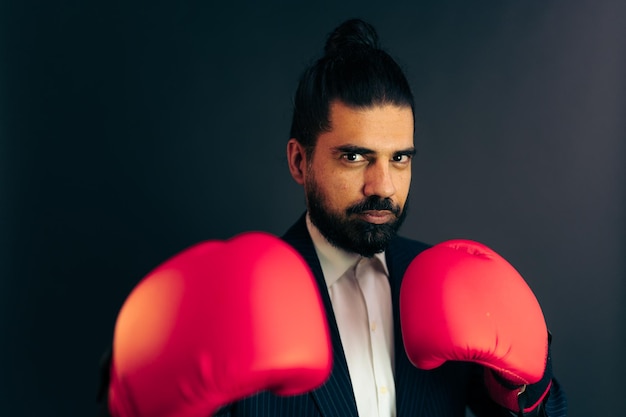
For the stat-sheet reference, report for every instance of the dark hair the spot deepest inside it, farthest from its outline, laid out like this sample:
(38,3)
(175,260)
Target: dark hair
(353,70)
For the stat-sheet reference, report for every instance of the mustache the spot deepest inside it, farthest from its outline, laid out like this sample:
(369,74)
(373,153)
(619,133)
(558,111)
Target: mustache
(374,203)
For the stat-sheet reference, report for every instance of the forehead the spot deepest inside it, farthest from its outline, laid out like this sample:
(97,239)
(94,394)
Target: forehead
(380,127)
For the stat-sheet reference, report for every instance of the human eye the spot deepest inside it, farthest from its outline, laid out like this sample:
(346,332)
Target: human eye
(402,158)
(352,157)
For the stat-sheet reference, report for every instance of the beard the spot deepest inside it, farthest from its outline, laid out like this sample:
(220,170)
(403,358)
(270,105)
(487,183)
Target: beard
(351,233)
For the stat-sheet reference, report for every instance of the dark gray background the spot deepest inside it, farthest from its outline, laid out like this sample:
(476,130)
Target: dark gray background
(130,132)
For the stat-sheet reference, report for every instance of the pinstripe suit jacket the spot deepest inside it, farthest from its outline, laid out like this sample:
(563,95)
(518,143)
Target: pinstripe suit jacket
(444,392)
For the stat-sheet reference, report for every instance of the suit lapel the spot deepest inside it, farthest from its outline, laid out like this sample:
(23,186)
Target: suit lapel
(409,395)
(335,397)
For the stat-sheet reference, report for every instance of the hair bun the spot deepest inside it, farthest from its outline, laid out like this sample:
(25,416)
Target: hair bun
(351,34)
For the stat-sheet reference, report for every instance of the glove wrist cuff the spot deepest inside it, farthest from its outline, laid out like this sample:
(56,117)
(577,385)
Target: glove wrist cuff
(524,398)
(520,398)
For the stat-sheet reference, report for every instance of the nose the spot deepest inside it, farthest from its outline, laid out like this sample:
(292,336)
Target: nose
(379,180)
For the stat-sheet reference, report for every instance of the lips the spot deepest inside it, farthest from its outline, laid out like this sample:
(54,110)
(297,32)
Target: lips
(377,216)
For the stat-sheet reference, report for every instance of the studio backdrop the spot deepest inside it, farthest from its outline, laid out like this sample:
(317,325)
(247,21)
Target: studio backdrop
(132,130)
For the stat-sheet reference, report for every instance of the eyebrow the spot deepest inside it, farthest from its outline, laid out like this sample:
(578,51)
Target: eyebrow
(366,151)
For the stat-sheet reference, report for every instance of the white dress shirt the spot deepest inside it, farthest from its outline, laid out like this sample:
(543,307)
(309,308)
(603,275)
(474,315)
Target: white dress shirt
(361,299)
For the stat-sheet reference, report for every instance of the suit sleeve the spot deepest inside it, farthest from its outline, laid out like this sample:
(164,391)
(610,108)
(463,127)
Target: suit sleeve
(103,385)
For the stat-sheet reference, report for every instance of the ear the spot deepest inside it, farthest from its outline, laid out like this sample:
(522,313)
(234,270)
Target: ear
(296,158)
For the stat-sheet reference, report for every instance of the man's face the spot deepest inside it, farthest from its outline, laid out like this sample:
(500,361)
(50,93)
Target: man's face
(357,180)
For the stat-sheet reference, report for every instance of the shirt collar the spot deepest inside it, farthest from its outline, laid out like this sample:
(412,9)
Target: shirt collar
(333,260)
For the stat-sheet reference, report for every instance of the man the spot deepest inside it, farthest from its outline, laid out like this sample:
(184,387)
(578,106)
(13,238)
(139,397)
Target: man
(351,148)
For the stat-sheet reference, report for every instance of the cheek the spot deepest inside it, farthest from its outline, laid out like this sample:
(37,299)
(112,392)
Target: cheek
(342,191)
(403,185)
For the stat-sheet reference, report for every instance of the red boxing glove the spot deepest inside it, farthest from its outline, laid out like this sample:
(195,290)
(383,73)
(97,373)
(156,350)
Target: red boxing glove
(217,323)
(461,301)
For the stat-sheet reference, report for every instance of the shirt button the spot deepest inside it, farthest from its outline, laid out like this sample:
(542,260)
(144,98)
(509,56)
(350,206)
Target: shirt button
(383,390)
(373,326)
